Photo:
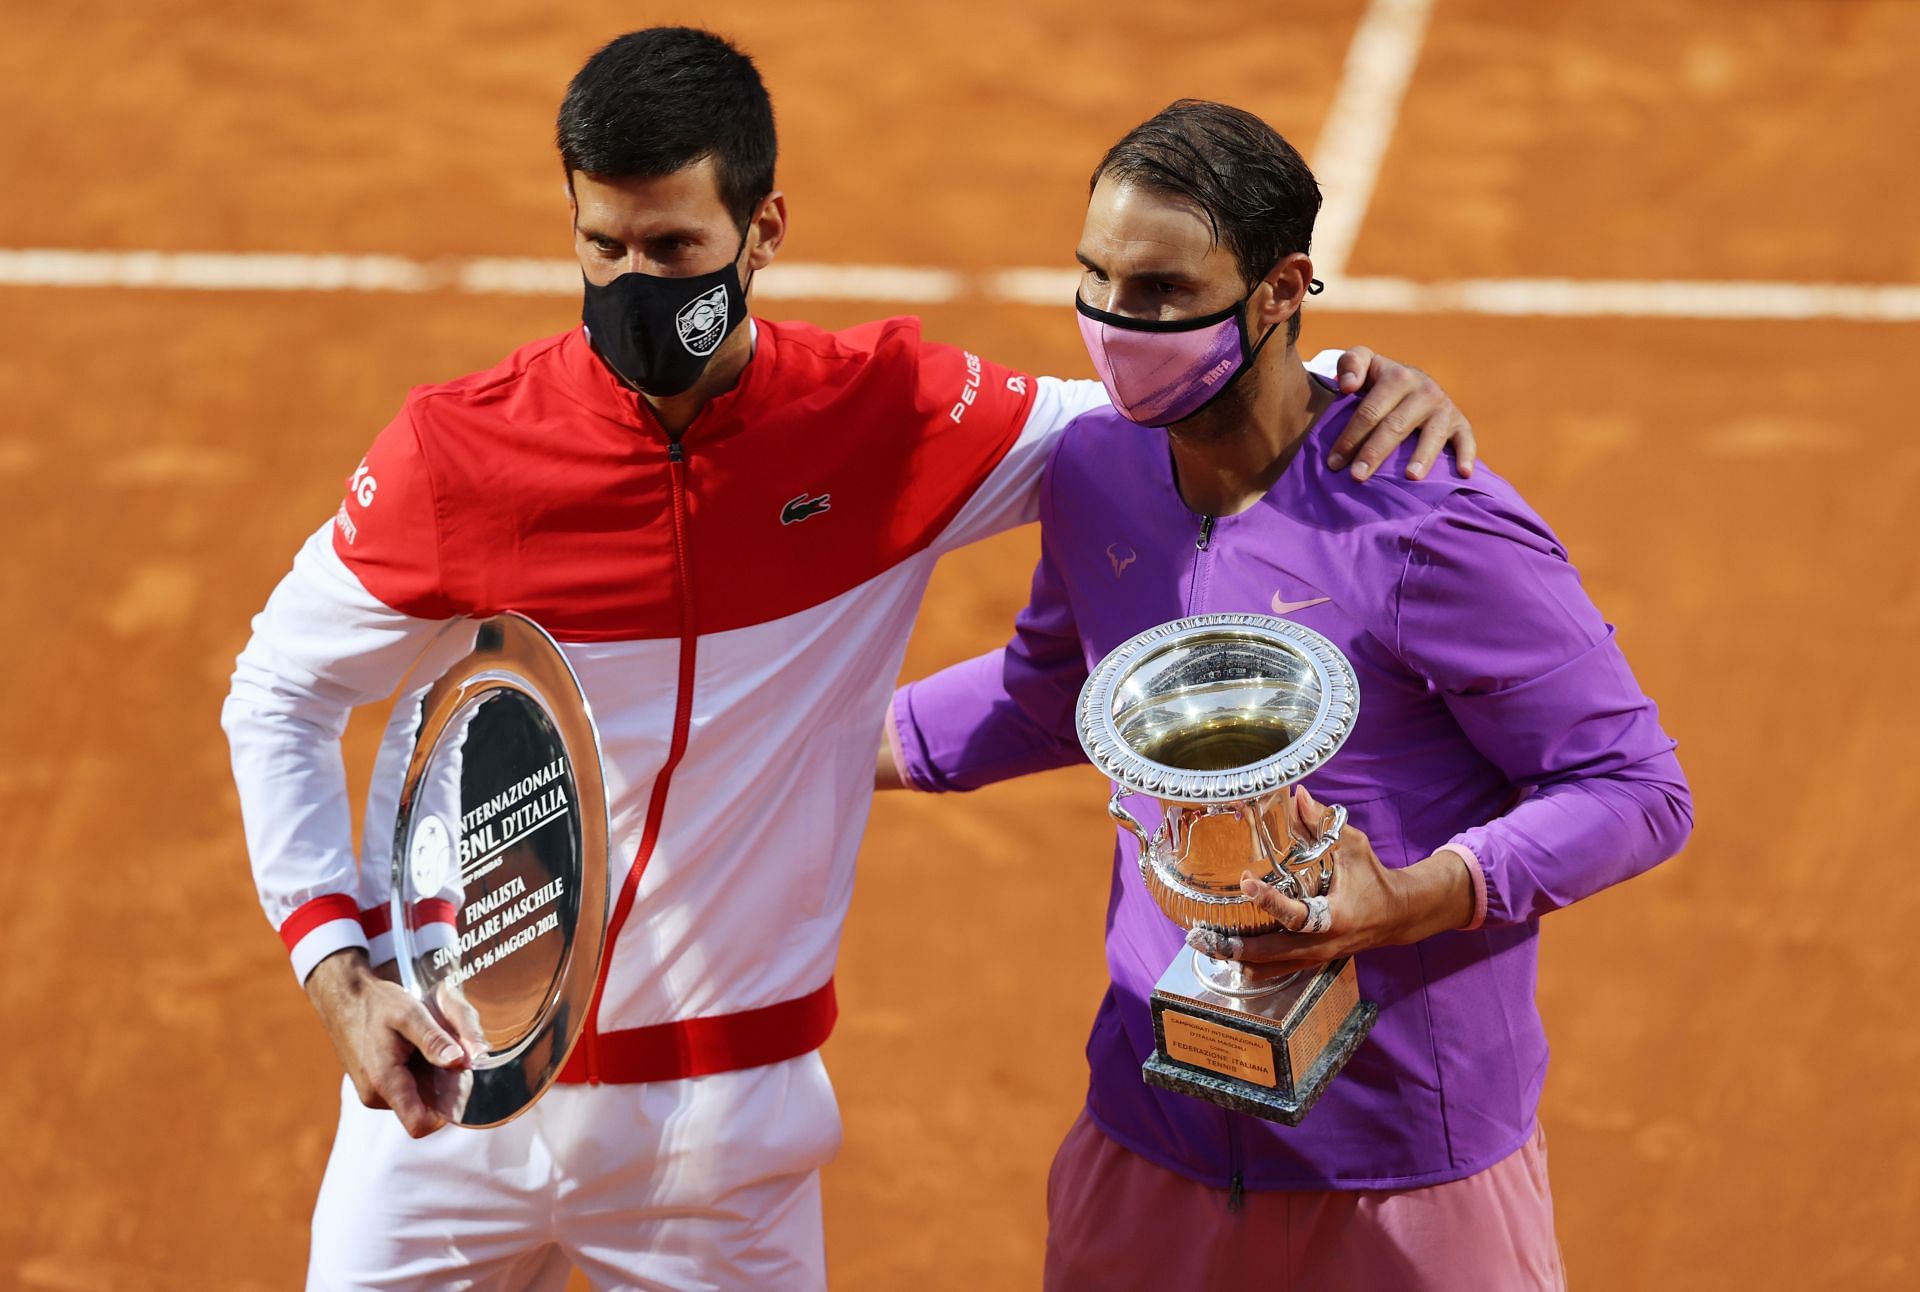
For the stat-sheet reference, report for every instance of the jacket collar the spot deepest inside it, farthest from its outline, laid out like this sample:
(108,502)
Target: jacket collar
(595,385)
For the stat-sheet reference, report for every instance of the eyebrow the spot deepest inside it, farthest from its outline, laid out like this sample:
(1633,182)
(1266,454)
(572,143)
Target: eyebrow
(652,235)
(1163,274)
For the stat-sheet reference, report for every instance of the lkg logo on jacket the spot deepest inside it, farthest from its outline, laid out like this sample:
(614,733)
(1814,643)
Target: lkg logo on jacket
(703,321)
(799,509)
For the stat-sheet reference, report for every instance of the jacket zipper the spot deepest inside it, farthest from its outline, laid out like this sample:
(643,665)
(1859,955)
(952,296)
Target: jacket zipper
(676,748)
(1237,1185)
(1196,586)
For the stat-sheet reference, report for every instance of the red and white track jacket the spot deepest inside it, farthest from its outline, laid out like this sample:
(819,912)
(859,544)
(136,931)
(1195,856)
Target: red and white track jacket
(736,606)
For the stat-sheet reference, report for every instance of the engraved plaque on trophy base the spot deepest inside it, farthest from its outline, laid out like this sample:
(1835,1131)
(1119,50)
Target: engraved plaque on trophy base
(1270,1055)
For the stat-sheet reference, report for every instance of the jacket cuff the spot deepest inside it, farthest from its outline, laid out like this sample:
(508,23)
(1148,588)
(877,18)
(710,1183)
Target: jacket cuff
(435,924)
(318,929)
(1478,874)
(901,737)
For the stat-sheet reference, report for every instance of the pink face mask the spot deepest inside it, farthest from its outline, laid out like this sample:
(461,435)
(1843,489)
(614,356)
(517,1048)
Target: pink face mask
(1161,371)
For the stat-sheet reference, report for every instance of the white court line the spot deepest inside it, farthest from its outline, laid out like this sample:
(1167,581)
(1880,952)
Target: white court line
(1550,297)
(888,285)
(1360,122)
(1627,298)
(790,282)
(211,271)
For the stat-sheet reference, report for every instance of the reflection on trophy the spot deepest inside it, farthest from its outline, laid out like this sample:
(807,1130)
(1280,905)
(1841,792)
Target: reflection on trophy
(499,898)
(1217,717)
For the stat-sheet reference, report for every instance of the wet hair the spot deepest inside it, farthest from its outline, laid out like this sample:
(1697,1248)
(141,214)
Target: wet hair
(1255,190)
(656,101)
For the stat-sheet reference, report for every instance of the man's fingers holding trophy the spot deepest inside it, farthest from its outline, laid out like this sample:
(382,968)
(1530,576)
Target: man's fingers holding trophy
(405,1064)
(1356,909)
(449,1087)
(387,1041)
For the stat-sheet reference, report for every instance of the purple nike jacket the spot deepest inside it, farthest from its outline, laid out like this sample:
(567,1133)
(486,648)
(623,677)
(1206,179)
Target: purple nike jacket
(1497,714)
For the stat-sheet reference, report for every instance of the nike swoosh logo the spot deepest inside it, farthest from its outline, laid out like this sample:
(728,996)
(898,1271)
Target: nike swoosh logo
(802,507)
(1288,607)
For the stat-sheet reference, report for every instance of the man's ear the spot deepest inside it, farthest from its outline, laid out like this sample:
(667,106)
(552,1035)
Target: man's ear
(1287,284)
(573,203)
(768,231)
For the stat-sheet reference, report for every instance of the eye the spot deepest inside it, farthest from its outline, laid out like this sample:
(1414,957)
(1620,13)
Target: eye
(607,247)
(1096,275)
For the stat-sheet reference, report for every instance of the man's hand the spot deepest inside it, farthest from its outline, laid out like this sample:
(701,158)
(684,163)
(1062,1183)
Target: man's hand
(1399,401)
(387,1041)
(1370,905)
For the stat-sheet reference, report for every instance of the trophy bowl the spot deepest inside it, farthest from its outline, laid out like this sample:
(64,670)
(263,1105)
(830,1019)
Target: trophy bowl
(1217,717)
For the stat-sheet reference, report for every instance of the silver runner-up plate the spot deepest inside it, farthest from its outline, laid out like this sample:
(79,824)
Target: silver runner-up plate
(499,901)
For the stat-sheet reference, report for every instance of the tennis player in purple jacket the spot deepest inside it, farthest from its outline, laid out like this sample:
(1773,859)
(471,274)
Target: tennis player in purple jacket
(1505,762)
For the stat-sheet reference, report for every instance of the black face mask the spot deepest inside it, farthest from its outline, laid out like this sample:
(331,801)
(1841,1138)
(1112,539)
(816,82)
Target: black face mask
(660,333)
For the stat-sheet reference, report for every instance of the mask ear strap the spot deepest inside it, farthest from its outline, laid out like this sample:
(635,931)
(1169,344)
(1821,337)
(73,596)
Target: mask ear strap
(1254,351)
(746,231)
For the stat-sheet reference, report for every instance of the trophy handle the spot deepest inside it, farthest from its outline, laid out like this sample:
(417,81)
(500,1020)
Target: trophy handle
(1321,849)
(1118,811)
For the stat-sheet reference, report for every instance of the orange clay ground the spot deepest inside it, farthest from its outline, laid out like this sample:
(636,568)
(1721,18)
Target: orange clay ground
(1731,1102)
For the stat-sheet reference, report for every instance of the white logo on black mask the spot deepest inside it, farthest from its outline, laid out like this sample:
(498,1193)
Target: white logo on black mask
(702,323)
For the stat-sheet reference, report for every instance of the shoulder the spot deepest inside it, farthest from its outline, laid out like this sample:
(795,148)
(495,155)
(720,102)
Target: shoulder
(883,343)
(1099,440)
(507,426)
(423,476)
(534,366)
(896,344)
(1413,506)
(891,366)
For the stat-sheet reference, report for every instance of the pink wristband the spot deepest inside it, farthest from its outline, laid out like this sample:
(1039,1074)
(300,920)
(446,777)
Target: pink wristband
(1476,874)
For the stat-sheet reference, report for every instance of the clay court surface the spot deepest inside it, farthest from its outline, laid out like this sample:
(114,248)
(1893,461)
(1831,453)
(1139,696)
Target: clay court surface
(1732,1101)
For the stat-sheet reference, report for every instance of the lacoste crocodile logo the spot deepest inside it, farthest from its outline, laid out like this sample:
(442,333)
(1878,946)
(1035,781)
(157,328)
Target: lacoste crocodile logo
(1121,556)
(799,509)
(1288,607)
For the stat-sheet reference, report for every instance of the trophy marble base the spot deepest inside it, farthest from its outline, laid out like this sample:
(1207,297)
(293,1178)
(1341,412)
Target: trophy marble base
(1269,1056)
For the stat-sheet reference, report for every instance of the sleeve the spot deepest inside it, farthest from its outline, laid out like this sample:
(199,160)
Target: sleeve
(324,644)
(1494,616)
(387,530)
(1003,714)
(1015,418)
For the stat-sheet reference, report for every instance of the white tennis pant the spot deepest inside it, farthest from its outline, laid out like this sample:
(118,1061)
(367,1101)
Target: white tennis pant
(710,1183)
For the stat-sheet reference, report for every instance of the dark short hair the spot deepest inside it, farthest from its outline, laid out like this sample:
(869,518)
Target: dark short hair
(656,101)
(1256,191)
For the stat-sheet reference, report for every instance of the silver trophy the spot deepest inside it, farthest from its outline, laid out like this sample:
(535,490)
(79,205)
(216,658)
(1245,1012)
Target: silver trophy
(1218,717)
(499,898)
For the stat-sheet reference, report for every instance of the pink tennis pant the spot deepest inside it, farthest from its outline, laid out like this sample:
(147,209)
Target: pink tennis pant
(1117,1222)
